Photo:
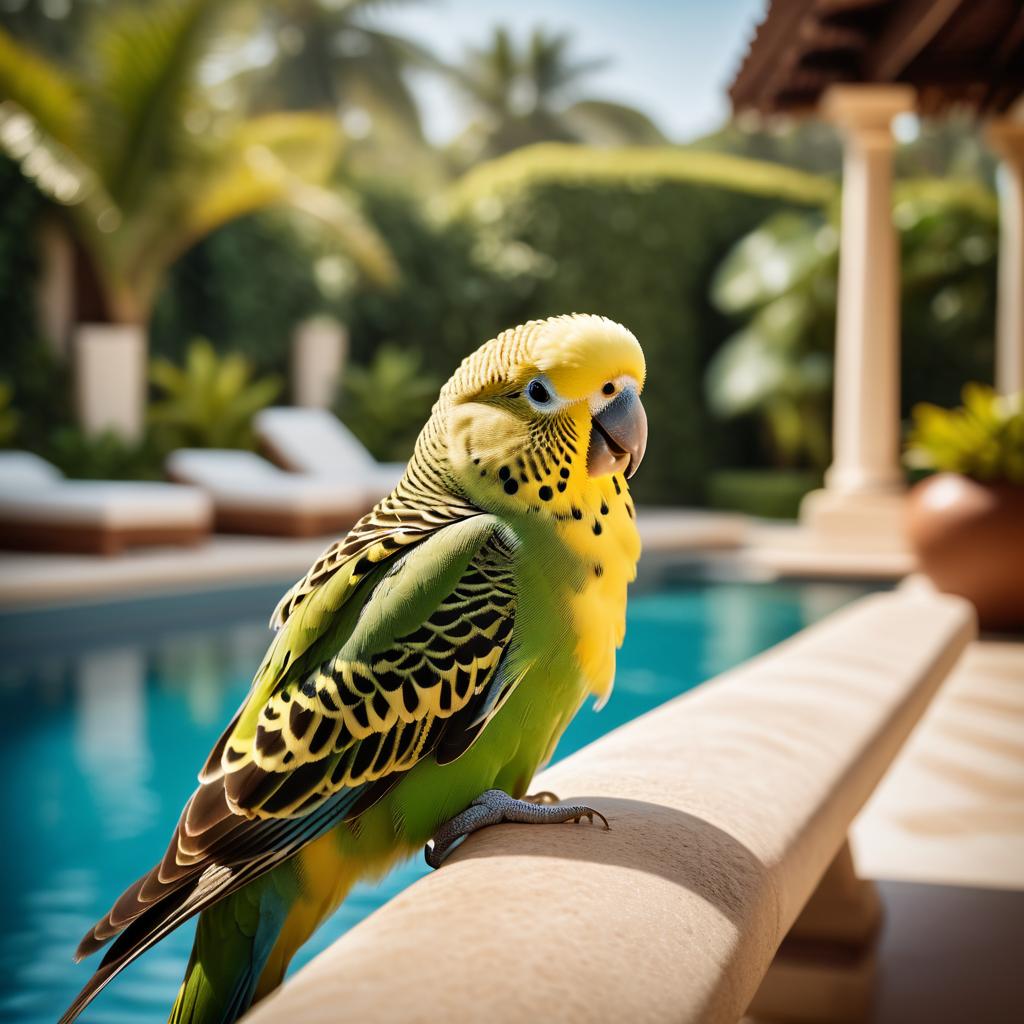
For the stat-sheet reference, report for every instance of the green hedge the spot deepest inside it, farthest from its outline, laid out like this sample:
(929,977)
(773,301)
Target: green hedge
(452,296)
(39,384)
(636,235)
(770,493)
(244,287)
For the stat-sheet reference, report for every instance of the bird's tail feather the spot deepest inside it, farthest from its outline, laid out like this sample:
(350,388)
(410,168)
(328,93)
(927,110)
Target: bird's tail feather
(233,942)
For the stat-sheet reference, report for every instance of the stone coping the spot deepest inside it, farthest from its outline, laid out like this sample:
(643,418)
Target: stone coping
(726,806)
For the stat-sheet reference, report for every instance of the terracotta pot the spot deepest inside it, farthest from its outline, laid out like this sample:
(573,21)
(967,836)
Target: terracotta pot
(969,538)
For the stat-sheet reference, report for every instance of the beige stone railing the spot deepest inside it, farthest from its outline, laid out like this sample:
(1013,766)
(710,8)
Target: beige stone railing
(727,806)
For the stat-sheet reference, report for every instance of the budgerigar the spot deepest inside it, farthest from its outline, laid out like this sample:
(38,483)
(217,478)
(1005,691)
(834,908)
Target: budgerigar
(422,670)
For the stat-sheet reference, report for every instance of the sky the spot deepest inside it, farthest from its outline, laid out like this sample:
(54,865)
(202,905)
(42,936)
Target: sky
(673,59)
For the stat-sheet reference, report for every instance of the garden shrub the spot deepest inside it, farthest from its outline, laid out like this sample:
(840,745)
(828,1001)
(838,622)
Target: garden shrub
(453,293)
(386,401)
(769,493)
(636,235)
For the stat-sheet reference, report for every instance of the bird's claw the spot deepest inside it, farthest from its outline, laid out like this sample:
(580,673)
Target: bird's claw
(495,807)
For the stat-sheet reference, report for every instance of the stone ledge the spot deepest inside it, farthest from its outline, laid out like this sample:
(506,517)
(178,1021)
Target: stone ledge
(727,805)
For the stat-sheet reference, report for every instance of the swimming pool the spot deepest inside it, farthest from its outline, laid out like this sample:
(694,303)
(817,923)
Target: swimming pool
(110,710)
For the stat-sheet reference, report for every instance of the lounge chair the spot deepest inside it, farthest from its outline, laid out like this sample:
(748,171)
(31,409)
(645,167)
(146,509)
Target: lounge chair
(250,495)
(317,443)
(42,510)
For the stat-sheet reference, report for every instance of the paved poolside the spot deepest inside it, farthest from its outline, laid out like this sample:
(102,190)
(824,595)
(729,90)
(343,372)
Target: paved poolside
(761,548)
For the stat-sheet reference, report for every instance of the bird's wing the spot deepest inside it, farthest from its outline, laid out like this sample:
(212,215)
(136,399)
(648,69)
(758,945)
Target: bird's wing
(419,649)
(425,645)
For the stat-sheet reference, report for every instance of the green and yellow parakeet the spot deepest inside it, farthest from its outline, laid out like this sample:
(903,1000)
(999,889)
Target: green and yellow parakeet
(422,670)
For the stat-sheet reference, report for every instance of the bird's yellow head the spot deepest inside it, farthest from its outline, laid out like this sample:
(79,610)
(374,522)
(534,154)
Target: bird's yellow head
(538,412)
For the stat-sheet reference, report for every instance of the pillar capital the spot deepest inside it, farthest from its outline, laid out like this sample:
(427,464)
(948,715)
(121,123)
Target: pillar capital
(858,108)
(1006,138)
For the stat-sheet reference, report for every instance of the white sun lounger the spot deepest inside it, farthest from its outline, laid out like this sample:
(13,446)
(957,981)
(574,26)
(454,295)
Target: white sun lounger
(317,443)
(42,510)
(250,495)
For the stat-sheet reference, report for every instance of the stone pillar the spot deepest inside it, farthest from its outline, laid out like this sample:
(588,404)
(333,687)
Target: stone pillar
(1007,140)
(862,496)
(825,969)
(319,348)
(110,379)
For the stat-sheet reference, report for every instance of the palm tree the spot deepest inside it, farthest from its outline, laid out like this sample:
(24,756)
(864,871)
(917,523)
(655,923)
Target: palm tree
(146,156)
(328,57)
(531,94)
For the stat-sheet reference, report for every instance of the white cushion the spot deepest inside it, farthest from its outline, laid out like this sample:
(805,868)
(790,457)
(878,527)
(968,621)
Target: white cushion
(316,442)
(107,504)
(19,470)
(215,467)
(244,481)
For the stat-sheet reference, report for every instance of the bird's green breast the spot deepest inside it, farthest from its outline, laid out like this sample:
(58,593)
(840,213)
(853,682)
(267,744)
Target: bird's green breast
(554,579)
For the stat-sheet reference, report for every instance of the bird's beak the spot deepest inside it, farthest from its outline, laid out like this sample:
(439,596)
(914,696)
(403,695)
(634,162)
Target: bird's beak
(618,437)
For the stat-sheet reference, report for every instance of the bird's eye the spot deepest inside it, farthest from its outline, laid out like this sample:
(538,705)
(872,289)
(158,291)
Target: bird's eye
(538,392)
(609,388)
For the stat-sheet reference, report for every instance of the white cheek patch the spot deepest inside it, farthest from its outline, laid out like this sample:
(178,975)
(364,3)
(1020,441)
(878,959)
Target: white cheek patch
(599,400)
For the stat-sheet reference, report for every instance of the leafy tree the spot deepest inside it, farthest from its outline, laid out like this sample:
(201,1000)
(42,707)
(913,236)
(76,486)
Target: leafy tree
(328,57)
(137,146)
(522,95)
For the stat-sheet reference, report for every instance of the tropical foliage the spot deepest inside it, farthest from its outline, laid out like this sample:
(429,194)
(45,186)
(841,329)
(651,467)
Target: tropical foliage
(386,402)
(210,401)
(781,280)
(778,366)
(983,439)
(327,56)
(525,93)
(140,150)
(106,456)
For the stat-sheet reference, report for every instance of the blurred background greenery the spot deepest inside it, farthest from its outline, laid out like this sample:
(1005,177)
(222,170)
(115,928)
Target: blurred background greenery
(229,168)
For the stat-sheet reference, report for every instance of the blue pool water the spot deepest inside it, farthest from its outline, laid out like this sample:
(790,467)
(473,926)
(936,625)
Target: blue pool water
(109,711)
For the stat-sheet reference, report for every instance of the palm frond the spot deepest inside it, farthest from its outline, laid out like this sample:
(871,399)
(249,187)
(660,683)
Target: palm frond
(43,91)
(143,76)
(338,211)
(283,160)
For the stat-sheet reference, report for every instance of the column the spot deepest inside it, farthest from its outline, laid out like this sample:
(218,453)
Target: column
(1006,138)
(319,349)
(110,379)
(863,486)
(866,437)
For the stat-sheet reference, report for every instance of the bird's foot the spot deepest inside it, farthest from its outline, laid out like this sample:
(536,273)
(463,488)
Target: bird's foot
(495,807)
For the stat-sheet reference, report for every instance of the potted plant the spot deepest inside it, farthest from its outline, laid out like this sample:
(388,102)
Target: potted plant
(966,521)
